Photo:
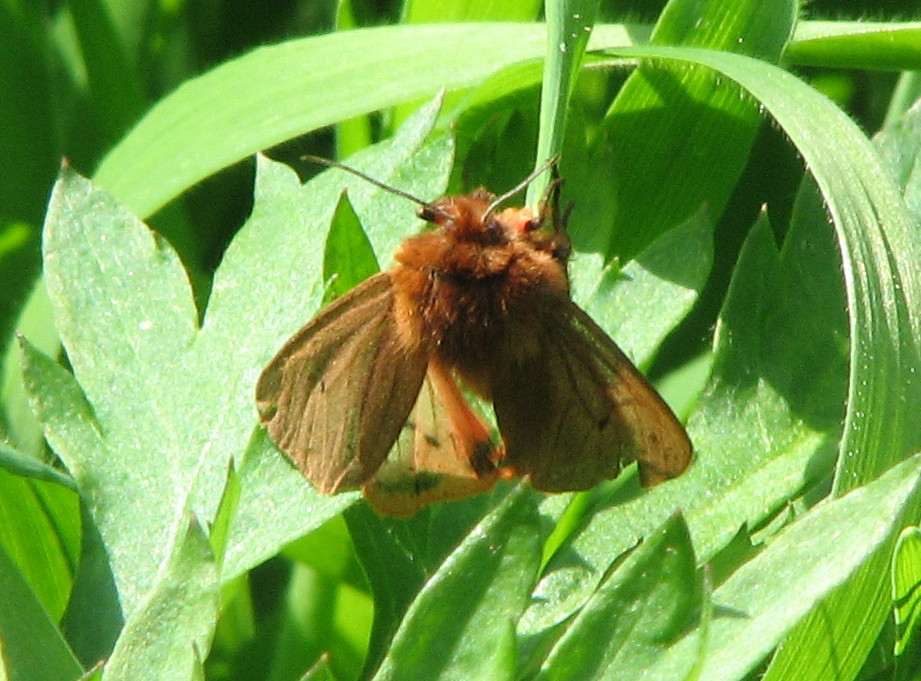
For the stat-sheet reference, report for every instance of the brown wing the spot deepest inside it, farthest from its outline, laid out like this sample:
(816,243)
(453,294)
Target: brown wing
(444,453)
(574,410)
(336,395)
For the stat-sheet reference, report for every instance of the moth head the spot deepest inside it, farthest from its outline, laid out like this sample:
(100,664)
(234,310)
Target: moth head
(467,217)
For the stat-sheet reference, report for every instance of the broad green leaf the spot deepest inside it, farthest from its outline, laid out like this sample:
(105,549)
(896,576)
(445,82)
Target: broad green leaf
(906,599)
(125,315)
(767,596)
(458,625)
(169,632)
(636,613)
(158,405)
(32,647)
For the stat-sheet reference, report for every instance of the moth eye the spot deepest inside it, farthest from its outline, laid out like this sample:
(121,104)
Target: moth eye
(533,224)
(429,214)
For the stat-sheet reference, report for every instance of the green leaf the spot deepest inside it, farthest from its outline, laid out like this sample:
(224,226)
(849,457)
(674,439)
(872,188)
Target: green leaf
(23,430)
(906,597)
(398,556)
(457,627)
(879,248)
(569,24)
(274,273)
(157,405)
(26,466)
(28,112)
(857,45)
(429,11)
(113,80)
(635,614)
(31,647)
(40,532)
(349,258)
(94,616)
(666,124)
(319,672)
(204,125)
(125,315)
(173,627)
(641,303)
(767,596)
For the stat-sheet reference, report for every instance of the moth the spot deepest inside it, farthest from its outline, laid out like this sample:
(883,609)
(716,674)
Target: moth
(367,394)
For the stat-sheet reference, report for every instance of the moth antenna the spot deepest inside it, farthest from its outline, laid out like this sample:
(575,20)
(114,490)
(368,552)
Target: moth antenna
(549,163)
(377,183)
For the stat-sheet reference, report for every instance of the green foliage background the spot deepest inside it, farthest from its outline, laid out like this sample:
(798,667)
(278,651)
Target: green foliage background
(746,227)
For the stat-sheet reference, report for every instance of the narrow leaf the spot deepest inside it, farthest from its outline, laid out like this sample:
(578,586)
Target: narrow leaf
(635,614)
(906,597)
(770,594)
(457,626)
(32,647)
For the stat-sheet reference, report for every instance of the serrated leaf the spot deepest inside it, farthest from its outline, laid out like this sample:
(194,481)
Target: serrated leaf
(164,639)
(157,406)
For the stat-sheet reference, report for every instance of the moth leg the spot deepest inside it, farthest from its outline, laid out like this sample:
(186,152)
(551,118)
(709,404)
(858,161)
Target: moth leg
(469,431)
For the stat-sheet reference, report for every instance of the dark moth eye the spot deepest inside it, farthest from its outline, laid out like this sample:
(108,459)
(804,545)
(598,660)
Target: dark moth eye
(533,224)
(428,213)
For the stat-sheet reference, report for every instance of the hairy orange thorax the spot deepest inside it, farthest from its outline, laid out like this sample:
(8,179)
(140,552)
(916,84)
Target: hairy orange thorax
(467,291)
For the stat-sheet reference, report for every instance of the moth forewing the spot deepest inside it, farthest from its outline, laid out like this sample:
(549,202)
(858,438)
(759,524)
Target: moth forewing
(576,410)
(336,395)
